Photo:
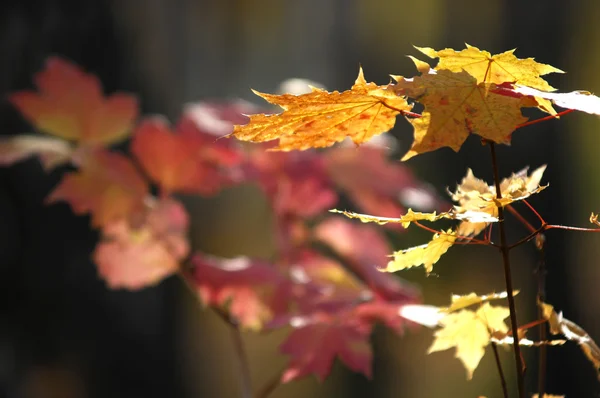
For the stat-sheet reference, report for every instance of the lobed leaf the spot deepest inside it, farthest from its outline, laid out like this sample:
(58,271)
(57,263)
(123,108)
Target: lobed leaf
(321,118)
(425,255)
(70,105)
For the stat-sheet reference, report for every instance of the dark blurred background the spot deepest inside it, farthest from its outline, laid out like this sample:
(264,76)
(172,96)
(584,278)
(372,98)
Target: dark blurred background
(63,334)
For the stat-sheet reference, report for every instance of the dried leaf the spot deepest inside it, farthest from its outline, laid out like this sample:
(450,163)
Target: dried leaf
(560,325)
(70,105)
(321,118)
(425,255)
(473,194)
(460,302)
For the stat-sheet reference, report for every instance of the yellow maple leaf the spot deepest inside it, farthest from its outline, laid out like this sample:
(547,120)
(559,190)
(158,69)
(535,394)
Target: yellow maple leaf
(456,106)
(473,194)
(459,302)
(411,216)
(470,332)
(321,118)
(498,69)
(572,331)
(425,255)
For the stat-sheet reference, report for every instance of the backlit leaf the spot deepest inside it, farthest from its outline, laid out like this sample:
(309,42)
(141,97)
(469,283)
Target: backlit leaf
(70,105)
(52,152)
(321,118)
(498,69)
(107,185)
(425,255)
(470,332)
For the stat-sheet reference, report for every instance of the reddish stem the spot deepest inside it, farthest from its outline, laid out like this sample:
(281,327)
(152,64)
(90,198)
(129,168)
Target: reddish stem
(549,117)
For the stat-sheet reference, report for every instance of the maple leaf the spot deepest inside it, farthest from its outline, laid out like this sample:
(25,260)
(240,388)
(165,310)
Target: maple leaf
(107,185)
(296,183)
(52,152)
(469,332)
(70,105)
(572,331)
(186,161)
(376,184)
(456,106)
(314,347)
(459,302)
(498,69)
(135,253)
(473,194)
(321,118)
(426,255)
(365,249)
(253,291)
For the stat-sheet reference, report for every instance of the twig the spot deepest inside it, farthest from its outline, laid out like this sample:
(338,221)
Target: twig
(541,296)
(500,371)
(243,364)
(270,386)
(507,276)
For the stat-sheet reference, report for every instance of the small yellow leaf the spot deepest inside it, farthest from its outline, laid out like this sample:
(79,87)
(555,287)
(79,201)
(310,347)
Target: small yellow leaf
(425,255)
(321,118)
(460,302)
(405,220)
(470,332)
(473,194)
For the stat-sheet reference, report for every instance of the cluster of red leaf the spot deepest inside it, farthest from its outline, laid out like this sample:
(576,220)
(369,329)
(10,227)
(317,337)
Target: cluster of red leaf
(324,281)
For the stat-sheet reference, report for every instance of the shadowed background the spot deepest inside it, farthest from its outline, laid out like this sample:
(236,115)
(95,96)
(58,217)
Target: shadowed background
(63,334)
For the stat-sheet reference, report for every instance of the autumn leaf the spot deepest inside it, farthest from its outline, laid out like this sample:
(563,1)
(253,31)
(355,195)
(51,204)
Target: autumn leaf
(377,185)
(470,332)
(459,302)
(456,106)
(572,331)
(186,160)
(314,347)
(410,216)
(365,249)
(107,185)
(547,396)
(135,253)
(251,290)
(473,194)
(321,118)
(51,151)
(70,105)
(425,255)
(578,100)
(497,69)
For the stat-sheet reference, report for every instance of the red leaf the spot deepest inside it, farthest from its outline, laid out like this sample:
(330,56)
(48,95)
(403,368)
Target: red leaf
(70,105)
(252,290)
(296,183)
(134,256)
(314,347)
(365,248)
(185,161)
(108,186)
(375,184)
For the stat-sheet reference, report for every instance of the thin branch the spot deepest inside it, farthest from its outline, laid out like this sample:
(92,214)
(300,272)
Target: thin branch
(541,297)
(507,276)
(567,228)
(500,371)
(550,117)
(243,364)
(529,237)
(535,212)
(270,386)
(521,219)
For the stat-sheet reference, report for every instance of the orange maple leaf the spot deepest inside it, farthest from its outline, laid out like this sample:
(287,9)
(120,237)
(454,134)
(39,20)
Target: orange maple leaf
(320,118)
(70,105)
(107,185)
(456,106)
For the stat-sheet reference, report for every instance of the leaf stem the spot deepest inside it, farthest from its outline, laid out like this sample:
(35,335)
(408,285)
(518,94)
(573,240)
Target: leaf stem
(500,371)
(549,117)
(504,249)
(521,219)
(541,297)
